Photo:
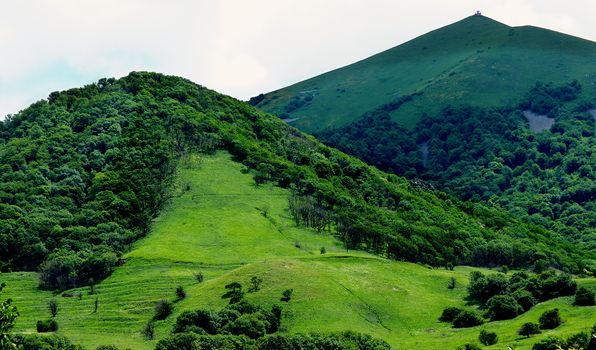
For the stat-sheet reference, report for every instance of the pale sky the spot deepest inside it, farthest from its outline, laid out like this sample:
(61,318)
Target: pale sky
(237,47)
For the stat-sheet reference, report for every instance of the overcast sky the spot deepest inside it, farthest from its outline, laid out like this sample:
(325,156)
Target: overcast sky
(238,47)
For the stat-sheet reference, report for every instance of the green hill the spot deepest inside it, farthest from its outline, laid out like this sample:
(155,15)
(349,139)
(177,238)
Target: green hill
(476,60)
(458,107)
(135,185)
(215,225)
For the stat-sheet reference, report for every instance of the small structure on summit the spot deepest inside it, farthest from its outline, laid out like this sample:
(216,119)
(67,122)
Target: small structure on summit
(478,13)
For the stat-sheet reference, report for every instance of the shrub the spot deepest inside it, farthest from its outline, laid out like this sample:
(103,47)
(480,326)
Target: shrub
(255,283)
(550,319)
(53,307)
(323,250)
(524,299)
(149,330)
(467,319)
(550,343)
(47,326)
(199,277)
(449,314)
(584,297)
(163,309)
(251,325)
(107,347)
(528,329)
(287,295)
(180,293)
(502,307)
(487,337)
(451,284)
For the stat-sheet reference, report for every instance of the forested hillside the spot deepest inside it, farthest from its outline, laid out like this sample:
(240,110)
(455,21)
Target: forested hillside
(547,177)
(84,173)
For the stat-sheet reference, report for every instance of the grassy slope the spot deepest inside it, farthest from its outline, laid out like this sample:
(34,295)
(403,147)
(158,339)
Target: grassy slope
(476,60)
(215,225)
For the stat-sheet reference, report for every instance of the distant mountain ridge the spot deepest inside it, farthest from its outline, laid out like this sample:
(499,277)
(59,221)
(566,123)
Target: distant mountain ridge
(477,60)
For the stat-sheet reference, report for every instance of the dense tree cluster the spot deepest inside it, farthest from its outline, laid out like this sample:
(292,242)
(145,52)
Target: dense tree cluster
(83,173)
(505,298)
(490,155)
(330,341)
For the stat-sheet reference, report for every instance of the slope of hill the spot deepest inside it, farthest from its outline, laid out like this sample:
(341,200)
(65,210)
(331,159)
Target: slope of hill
(476,60)
(464,126)
(215,224)
(85,174)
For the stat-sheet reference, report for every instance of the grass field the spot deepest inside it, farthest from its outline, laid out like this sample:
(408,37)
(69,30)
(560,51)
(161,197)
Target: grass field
(475,61)
(219,223)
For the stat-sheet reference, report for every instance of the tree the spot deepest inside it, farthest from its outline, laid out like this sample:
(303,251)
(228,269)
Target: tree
(550,319)
(503,307)
(487,337)
(584,297)
(528,329)
(467,319)
(449,314)
(234,293)
(8,315)
(163,309)
(255,283)
(287,295)
(180,293)
(53,307)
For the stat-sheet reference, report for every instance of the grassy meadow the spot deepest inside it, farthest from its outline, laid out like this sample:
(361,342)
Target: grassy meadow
(221,224)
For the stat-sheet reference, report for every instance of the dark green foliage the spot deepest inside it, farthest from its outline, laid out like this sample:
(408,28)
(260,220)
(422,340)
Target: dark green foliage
(550,319)
(287,295)
(45,342)
(53,307)
(192,341)
(148,330)
(323,250)
(524,299)
(107,347)
(8,316)
(240,318)
(451,283)
(487,337)
(252,325)
(449,314)
(511,297)
(549,343)
(483,287)
(163,309)
(584,297)
(234,293)
(180,293)
(528,329)
(467,319)
(199,277)
(331,341)
(50,325)
(255,284)
(84,173)
(489,154)
(582,340)
(502,307)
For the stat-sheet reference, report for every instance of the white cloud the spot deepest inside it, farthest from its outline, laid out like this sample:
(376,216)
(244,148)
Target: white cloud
(239,47)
